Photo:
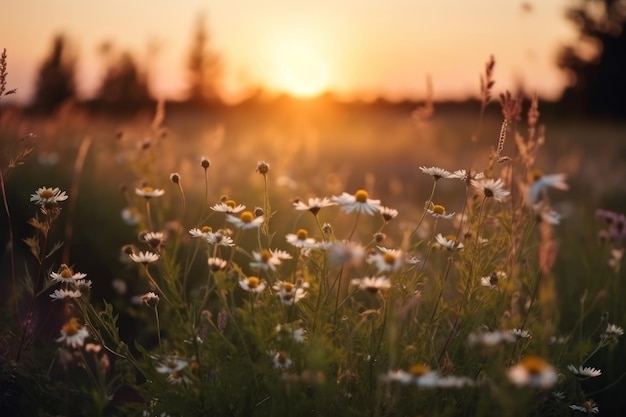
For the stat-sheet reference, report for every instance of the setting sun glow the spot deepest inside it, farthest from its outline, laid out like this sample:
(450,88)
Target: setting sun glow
(301,71)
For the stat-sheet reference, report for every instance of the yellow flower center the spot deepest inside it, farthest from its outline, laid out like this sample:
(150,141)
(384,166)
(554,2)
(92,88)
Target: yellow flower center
(361,196)
(451,238)
(46,194)
(67,273)
(302,234)
(195,366)
(71,327)
(175,375)
(419,369)
(246,216)
(266,255)
(288,286)
(535,175)
(206,229)
(253,282)
(281,358)
(437,209)
(534,364)
(389,258)
(230,203)
(148,189)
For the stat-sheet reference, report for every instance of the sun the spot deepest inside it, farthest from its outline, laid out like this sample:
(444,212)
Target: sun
(301,71)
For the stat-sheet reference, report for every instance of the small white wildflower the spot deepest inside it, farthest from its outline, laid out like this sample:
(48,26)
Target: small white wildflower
(491,188)
(301,239)
(436,172)
(45,196)
(252,284)
(246,220)
(149,192)
(314,205)
(73,334)
(359,202)
(63,293)
(586,372)
(533,371)
(372,284)
(228,206)
(144,257)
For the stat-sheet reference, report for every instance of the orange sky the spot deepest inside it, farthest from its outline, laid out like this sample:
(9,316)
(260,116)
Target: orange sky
(352,47)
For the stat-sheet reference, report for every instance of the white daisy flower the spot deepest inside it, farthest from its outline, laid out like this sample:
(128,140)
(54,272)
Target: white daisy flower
(439,211)
(149,192)
(144,257)
(452,381)
(533,371)
(436,172)
(418,374)
(489,339)
(178,378)
(491,188)
(171,364)
(289,293)
(153,239)
(246,220)
(586,372)
(73,334)
(359,202)
(63,293)
(467,176)
(388,261)
(204,232)
(252,284)
(217,264)
(281,360)
(493,280)
(611,334)
(448,242)
(298,334)
(520,333)
(372,284)
(66,275)
(346,253)
(301,239)
(588,407)
(228,206)
(47,195)
(265,260)
(314,205)
(542,182)
(387,213)
(149,299)
(130,216)
(220,238)
(280,254)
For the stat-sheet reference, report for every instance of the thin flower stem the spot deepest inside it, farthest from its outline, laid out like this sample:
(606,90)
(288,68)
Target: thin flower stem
(154,283)
(149,213)
(11,248)
(158,324)
(78,170)
(430,199)
(443,286)
(31,307)
(430,247)
(356,222)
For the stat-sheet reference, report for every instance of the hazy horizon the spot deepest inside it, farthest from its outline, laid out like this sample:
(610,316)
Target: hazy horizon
(356,49)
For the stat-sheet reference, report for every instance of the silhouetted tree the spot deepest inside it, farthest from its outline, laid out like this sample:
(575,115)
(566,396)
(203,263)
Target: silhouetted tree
(124,88)
(55,82)
(597,61)
(204,66)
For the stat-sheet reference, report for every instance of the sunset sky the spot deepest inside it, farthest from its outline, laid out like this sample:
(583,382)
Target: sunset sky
(355,48)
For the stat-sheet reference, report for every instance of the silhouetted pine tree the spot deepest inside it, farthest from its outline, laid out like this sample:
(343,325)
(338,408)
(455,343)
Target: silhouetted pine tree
(597,61)
(55,82)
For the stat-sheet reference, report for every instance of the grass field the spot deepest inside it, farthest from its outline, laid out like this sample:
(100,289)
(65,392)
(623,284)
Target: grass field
(364,347)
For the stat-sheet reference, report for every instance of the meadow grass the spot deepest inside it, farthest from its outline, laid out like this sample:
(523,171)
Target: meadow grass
(306,260)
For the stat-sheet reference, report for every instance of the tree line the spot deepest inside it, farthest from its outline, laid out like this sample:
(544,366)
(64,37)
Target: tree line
(124,87)
(595,63)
